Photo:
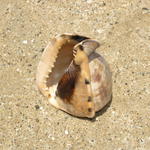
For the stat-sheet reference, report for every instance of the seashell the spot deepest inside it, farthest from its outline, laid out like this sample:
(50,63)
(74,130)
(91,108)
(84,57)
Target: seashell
(73,76)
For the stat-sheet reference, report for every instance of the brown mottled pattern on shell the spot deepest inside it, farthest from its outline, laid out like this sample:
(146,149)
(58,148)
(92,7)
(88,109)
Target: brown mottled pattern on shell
(66,85)
(100,81)
(96,77)
(103,92)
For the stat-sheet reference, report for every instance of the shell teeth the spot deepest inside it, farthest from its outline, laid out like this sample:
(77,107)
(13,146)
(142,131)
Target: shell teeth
(46,76)
(53,60)
(49,70)
(44,81)
(74,51)
(52,65)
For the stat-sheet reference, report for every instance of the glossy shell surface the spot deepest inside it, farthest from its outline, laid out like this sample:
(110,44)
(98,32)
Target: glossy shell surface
(73,76)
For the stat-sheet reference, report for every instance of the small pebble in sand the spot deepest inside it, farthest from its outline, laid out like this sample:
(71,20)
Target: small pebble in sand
(24,41)
(53,138)
(89,1)
(32,40)
(66,132)
(100,30)
(37,107)
(18,70)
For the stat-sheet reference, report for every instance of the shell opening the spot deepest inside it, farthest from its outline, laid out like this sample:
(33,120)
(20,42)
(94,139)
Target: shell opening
(62,62)
(64,58)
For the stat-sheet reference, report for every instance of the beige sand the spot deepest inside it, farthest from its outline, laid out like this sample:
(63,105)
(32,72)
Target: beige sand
(28,121)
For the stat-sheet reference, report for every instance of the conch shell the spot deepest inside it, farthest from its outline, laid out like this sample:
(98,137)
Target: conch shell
(73,76)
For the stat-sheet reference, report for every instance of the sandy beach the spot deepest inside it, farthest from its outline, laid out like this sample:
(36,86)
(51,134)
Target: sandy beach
(28,121)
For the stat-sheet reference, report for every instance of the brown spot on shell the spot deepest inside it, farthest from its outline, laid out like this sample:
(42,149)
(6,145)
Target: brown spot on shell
(89,109)
(103,92)
(89,99)
(87,81)
(49,95)
(81,47)
(97,77)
